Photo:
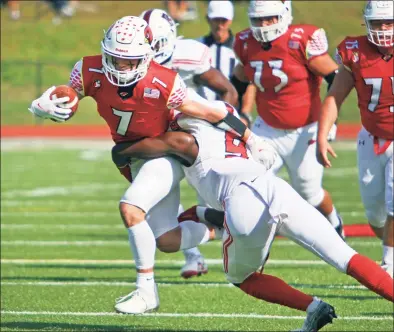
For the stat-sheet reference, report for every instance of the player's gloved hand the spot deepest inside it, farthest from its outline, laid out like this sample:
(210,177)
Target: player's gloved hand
(332,134)
(262,151)
(47,108)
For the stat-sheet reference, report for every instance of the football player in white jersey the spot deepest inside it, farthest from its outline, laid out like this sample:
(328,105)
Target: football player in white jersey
(224,175)
(192,60)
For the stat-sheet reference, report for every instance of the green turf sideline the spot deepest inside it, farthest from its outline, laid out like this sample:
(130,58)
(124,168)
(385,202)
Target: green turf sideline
(189,315)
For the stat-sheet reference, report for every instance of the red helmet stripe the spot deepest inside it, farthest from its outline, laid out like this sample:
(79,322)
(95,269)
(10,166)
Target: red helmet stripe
(147,15)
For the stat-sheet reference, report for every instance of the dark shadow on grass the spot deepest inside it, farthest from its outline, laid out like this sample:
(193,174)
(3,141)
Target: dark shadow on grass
(163,280)
(75,327)
(348,297)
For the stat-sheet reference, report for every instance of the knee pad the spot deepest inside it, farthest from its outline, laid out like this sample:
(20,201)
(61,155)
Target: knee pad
(376,218)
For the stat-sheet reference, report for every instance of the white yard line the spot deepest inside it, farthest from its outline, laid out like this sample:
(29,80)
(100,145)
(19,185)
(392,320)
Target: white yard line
(188,315)
(109,243)
(170,262)
(161,284)
(14,144)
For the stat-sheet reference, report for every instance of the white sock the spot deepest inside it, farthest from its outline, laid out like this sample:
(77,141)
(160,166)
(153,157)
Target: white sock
(312,307)
(145,280)
(193,234)
(143,245)
(188,253)
(200,211)
(333,218)
(388,255)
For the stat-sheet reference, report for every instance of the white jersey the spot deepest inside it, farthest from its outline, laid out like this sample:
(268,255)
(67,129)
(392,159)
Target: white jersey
(221,163)
(190,58)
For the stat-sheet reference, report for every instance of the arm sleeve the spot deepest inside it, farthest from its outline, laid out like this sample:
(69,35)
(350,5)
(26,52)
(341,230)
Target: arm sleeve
(317,44)
(76,81)
(177,94)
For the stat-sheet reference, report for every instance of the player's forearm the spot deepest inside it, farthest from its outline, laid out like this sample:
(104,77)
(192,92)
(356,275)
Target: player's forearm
(248,99)
(230,96)
(328,116)
(170,143)
(216,81)
(147,148)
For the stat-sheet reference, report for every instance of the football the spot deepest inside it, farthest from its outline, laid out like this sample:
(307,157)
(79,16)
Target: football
(66,91)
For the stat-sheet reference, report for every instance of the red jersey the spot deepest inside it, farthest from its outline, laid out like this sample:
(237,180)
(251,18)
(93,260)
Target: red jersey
(288,93)
(131,113)
(374,83)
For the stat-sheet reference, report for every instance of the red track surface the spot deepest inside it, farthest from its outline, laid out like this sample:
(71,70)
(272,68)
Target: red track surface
(345,131)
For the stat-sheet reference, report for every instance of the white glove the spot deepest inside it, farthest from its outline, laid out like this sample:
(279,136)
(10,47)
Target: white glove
(262,151)
(332,134)
(47,108)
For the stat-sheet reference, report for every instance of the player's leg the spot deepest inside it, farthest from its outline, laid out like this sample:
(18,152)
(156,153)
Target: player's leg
(306,175)
(306,226)
(194,261)
(152,182)
(376,189)
(249,232)
(388,235)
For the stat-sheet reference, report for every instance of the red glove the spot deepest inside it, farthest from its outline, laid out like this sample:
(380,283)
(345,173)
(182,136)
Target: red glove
(189,214)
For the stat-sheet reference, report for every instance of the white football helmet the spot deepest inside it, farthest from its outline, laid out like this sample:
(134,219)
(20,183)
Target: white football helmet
(379,10)
(164,33)
(128,38)
(258,9)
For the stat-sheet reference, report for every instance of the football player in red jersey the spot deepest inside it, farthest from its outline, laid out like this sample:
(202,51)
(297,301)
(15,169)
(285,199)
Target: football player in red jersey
(286,64)
(135,95)
(367,64)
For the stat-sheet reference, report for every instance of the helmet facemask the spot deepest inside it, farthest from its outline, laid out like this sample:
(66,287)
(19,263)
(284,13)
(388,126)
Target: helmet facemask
(268,9)
(380,12)
(163,47)
(381,38)
(125,77)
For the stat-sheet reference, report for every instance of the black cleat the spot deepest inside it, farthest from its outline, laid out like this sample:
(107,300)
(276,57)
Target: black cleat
(322,315)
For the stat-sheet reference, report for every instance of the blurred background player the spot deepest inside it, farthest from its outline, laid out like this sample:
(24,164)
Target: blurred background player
(181,10)
(220,40)
(367,64)
(192,60)
(286,64)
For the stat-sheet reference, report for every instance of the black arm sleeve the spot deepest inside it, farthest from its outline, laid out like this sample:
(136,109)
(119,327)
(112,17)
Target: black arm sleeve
(240,87)
(232,124)
(330,78)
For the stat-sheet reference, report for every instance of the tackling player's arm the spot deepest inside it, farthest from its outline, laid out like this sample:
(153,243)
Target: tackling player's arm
(340,89)
(179,144)
(217,82)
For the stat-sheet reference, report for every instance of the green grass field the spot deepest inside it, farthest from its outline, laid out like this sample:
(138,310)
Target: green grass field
(65,255)
(32,40)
